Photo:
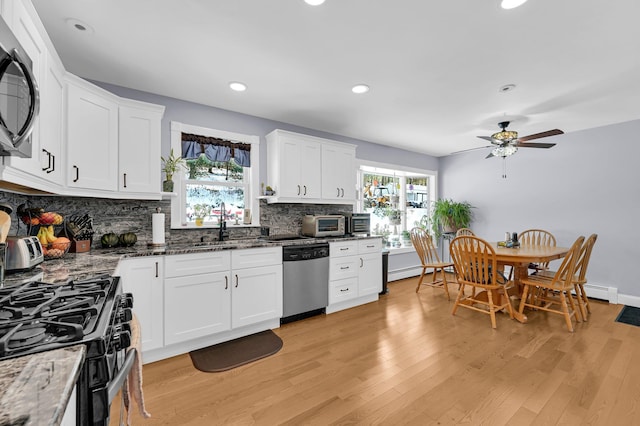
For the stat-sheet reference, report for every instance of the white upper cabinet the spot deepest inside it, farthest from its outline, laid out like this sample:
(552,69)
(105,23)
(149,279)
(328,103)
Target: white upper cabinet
(338,172)
(307,169)
(92,136)
(139,147)
(294,166)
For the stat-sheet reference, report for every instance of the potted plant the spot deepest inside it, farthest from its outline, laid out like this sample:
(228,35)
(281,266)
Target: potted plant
(449,216)
(170,165)
(200,211)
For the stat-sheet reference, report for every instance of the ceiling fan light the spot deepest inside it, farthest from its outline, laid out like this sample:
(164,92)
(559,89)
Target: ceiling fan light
(314,2)
(505,136)
(512,4)
(504,151)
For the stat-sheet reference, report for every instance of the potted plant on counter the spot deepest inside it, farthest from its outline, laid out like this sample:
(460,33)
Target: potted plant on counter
(200,211)
(170,166)
(448,216)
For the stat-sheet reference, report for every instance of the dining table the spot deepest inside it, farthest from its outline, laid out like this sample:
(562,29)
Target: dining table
(519,258)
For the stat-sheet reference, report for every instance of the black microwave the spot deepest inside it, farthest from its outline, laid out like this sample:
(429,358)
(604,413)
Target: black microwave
(19,97)
(357,223)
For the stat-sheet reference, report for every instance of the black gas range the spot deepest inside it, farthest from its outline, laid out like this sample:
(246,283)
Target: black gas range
(38,316)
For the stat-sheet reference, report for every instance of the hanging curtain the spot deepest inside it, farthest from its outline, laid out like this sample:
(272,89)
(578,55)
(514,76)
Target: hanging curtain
(215,149)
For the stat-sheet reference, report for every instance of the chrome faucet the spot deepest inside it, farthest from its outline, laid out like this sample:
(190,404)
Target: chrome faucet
(223,233)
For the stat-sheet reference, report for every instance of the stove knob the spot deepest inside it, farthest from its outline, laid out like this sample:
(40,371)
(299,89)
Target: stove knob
(121,340)
(127,300)
(124,315)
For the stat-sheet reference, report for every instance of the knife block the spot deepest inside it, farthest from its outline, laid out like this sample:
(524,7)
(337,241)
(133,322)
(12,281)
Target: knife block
(80,246)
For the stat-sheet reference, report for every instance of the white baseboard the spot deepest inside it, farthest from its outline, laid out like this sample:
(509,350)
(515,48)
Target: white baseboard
(400,274)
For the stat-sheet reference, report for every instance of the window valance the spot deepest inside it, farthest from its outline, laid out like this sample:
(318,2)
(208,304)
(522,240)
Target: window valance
(215,149)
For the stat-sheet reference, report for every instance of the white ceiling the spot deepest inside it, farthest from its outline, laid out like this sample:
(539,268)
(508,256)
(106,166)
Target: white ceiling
(434,67)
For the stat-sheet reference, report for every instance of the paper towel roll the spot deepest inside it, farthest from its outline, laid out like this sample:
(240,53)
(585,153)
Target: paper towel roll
(157,227)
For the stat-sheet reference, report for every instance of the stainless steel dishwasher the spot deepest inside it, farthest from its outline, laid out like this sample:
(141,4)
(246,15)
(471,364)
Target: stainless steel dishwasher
(305,281)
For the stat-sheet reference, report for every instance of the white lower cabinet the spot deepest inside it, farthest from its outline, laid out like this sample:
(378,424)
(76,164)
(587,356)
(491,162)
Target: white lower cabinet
(196,295)
(142,276)
(355,273)
(188,301)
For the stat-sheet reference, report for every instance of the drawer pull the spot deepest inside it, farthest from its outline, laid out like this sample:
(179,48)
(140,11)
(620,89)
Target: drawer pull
(344,248)
(371,246)
(344,289)
(344,267)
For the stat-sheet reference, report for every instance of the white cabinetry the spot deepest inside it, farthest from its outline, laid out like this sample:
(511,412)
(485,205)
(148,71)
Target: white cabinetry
(197,295)
(143,278)
(338,172)
(139,147)
(294,166)
(45,169)
(92,136)
(113,144)
(257,285)
(188,301)
(355,273)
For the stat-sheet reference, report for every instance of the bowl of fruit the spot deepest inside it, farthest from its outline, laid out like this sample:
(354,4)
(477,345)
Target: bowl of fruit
(52,247)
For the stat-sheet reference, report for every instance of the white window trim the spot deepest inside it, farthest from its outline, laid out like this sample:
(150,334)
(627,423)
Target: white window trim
(251,201)
(385,168)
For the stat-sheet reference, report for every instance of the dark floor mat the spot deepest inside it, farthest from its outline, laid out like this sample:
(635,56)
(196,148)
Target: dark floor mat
(629,315)
(234,353)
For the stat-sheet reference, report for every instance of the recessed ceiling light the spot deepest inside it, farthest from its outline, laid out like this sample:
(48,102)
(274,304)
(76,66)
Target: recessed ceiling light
(314,2)
(512,4)
(506,88)
(79,25)
(360,88)
(237,86)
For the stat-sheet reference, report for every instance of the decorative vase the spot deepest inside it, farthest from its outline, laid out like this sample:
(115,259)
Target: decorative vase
(167,186)
(199,221)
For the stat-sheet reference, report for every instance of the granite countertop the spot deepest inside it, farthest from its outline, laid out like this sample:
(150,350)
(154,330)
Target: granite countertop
(35,389)
(97,262)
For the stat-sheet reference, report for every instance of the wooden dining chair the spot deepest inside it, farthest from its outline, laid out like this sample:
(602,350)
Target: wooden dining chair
(553,294)
(464,231)
(428,255)
(580,276)
(475,265)
(537,237)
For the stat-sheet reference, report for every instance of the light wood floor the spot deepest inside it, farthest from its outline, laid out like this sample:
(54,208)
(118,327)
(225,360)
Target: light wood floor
(406,360)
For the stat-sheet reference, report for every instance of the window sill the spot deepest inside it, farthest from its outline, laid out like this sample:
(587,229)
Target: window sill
(399,250)
(216,226)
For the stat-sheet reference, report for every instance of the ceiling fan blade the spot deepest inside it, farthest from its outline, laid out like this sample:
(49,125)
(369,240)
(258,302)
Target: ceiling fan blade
(490,139)
(548,133)
(470,149)
(535,145)
(490,155)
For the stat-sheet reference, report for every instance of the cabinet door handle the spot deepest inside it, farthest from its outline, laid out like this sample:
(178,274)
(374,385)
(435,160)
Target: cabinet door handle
(342,189)
(226,282)
(125,180)
(298,189)
(157,270)
(53,163)
(77,173)
(361,262)
(305,190)
(338,192)
(47,169)
(236,280)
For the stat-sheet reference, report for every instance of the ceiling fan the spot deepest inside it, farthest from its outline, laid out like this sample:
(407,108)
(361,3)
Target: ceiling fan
(506,142)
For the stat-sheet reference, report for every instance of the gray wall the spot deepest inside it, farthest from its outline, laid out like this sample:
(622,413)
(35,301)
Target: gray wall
(201,115)
(588,183)
(216,118)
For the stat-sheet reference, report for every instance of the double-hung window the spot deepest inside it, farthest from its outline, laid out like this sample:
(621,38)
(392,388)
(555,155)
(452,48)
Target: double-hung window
(221,171)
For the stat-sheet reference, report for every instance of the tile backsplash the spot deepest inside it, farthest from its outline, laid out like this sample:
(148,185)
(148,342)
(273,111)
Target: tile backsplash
(120,216)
